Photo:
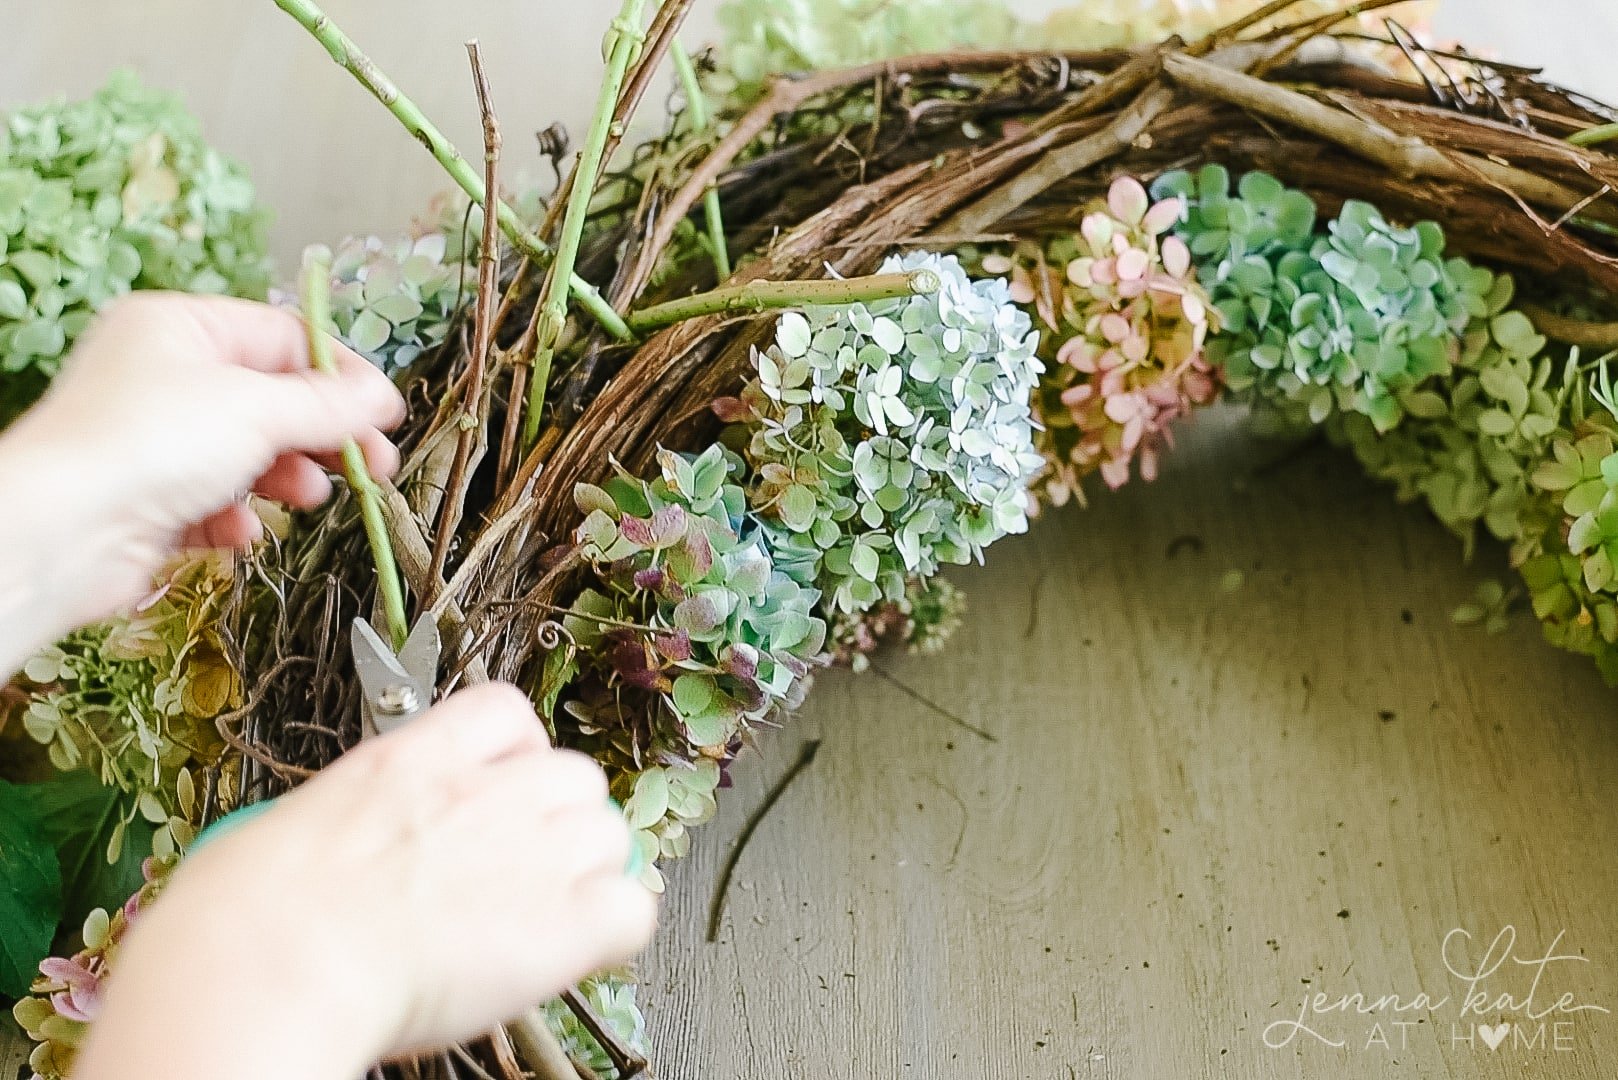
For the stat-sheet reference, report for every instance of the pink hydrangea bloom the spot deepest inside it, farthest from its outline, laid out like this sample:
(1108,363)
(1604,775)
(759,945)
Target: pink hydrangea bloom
(1130,325)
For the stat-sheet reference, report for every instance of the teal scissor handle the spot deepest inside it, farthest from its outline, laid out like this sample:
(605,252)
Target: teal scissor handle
(230,823)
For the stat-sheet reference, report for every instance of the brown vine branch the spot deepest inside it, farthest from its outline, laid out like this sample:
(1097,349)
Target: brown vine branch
(472,421)
(1571,331)
(787,95)
(1406,156)
(1062,163)
(625,1061)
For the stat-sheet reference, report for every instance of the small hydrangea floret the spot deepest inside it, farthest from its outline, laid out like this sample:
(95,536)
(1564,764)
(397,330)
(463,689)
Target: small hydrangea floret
(691,611)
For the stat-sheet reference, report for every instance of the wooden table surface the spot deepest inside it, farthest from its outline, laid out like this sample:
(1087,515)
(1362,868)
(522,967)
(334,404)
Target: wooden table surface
(1230,752)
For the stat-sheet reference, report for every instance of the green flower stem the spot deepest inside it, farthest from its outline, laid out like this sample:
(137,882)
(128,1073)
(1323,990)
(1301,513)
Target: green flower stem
(348,56)
(623,44)
(317,316)
(758,296)
(697,105)
(1594,136)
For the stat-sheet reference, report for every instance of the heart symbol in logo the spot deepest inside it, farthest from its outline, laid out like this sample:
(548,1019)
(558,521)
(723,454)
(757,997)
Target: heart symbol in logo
(1493,1036)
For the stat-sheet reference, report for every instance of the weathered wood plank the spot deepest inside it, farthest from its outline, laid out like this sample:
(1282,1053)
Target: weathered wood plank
(1201,805)
(1172,759)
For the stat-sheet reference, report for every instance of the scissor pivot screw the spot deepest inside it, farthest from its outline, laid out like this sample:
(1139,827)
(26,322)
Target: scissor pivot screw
(400,700)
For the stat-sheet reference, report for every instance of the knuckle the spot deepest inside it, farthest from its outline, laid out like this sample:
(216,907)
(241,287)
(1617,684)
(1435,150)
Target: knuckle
(501,698)
(577,775)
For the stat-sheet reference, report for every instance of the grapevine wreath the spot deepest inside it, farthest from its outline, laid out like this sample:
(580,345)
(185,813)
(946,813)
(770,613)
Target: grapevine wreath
(717,411)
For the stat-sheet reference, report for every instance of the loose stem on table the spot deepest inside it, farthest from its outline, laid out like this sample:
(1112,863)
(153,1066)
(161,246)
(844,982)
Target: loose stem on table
(317,317)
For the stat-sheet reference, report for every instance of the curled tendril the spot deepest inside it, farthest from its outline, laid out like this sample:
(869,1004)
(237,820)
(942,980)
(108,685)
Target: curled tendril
(551,635)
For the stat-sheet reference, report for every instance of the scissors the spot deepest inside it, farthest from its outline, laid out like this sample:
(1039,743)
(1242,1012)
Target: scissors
(395,688)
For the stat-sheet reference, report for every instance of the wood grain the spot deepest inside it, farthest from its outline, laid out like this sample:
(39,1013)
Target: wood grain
(1200,804)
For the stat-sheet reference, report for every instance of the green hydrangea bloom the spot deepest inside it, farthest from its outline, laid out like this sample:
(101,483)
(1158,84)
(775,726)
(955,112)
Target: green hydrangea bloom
(775,37)
(394,300)
(102,196)
(1472,438)
(1347,320)
(133,700)
(893,437)
(1575,617)
(692,611)
(663,804)
(612,998)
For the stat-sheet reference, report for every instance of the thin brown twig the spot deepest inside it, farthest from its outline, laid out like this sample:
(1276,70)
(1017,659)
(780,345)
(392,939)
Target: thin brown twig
(624,1059)
(474,419)
(1300,33)
(786,95)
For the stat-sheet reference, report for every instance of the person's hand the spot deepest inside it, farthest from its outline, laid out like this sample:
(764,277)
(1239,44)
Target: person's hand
(168,412)
(429,885)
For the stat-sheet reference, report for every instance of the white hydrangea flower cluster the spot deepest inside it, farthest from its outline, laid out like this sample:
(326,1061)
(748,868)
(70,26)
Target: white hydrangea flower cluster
(895,436)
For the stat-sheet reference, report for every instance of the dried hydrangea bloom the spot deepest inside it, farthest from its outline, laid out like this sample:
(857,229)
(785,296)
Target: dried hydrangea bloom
(1098,24)
(1132,324)
(66,996)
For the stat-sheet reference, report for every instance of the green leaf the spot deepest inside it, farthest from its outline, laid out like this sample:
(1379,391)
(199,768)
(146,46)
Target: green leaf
(369,333)
(798,508)
(13,301)
(650,800)
(693,694)
(31,900)
(79,815)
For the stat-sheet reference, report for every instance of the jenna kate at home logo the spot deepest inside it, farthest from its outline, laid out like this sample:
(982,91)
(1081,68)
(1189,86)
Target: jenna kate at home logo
(1507,1000)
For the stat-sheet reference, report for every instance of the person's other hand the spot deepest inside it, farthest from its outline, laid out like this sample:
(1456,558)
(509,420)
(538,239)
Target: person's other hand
(168,412)
(429,885)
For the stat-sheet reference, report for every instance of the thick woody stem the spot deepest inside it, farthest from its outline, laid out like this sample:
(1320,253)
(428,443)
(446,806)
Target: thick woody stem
(1406,156)
(1570,331)
(317,317)
(756,296)
(538,1048)
(625,1061)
